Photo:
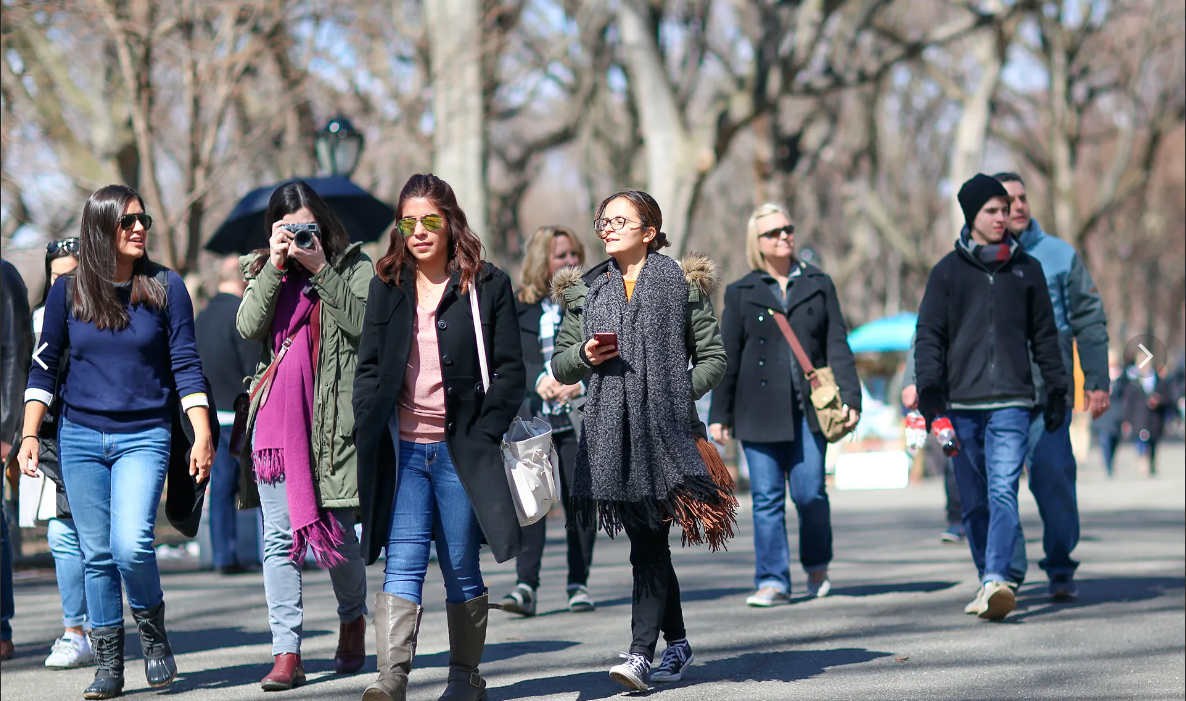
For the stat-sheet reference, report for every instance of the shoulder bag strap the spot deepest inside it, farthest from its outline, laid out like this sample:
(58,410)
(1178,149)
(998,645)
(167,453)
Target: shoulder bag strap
(478,335)
(796,348)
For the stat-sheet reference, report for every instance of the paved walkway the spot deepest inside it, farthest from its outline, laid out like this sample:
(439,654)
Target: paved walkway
(894,627)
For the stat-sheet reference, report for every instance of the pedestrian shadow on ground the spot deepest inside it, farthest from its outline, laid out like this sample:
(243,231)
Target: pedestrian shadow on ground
(785,666)
(685,596)
(1036,601)
(496,652)
(241,675)
(892,588)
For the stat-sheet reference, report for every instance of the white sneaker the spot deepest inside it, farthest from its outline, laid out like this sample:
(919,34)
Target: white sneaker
(579,599)
(69,651)
(634,673)
(974,605)
(521,600)
(820,589)
(767,597)
(998,601)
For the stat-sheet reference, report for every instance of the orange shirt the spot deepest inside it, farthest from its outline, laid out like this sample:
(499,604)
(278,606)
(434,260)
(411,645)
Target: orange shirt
(629,288)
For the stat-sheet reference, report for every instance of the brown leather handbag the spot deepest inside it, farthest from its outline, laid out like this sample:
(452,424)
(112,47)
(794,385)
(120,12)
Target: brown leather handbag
(830,411)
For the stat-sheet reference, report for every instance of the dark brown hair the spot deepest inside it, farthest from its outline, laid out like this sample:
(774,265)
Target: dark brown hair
(649,214)
(292,197)
(465,248)
(95,299)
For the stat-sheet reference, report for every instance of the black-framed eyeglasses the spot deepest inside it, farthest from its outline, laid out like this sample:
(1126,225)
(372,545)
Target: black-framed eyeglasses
(775,234)
(128,221)
(616,224)
(61,248)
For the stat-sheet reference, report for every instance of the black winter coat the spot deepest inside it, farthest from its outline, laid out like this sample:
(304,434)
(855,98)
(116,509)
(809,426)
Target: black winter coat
(475,420)
(1136,411)
(976,330)
(755,398)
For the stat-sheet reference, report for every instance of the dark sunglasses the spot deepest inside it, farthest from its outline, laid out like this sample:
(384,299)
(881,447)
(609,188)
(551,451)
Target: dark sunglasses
(431,222)
(128,221)
(789,230)
(62,247)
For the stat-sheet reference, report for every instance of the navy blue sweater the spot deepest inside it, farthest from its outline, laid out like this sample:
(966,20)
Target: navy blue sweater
(121,381)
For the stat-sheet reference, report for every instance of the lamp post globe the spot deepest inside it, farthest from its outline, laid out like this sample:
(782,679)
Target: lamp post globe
(338,147)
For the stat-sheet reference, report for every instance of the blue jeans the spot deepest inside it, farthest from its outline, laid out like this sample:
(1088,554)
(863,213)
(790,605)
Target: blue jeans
(114,483)
(771,467)
(988,469)
(430,500)
(1052,471)
(7,604)
(224,485)
(70,569)
(1108,441)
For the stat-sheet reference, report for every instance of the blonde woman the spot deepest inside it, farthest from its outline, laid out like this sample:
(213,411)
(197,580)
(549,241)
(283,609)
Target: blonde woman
(551,249)
(764,400)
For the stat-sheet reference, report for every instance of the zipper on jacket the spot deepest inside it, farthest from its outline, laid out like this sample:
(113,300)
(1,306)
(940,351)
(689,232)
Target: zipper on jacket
(992,337)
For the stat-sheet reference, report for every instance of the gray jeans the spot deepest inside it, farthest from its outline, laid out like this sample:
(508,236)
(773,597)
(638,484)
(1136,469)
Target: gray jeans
(282,576)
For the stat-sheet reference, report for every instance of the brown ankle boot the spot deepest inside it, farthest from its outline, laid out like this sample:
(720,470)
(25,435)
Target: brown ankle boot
(352,647)
(287,673)
(397,622)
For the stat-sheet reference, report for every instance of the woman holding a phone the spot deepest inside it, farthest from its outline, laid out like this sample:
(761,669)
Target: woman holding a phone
(304,302)
(634,324)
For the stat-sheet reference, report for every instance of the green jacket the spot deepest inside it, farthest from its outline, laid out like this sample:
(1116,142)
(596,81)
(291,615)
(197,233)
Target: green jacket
(342,287)
(705,347)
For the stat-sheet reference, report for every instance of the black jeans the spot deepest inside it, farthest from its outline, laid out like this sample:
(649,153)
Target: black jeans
(656,603)
(580,540)
(955,509)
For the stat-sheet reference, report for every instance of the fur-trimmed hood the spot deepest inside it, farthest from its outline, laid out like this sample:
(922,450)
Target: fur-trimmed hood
(701,271)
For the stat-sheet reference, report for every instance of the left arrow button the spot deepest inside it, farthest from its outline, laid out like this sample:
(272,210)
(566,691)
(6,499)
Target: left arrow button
(37,359)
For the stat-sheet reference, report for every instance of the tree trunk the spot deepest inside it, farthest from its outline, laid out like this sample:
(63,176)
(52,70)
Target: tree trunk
(458,139)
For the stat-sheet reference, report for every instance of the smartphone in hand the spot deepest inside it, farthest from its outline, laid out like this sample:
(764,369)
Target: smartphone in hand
(606,339)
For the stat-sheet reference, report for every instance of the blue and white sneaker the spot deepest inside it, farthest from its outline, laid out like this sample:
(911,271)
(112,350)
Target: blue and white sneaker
(676,659)
(634,673)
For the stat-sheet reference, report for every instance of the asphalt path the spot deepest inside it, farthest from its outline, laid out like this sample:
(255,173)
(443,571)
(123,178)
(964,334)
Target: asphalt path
(893,628)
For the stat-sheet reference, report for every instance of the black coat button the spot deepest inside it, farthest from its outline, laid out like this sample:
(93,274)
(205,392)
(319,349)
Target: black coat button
(450,391)
(761,362)
(763,383)
(446,360)
(451,426)
(761,341)
(442,325)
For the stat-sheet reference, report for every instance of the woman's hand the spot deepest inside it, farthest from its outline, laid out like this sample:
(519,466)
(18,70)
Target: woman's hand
(278,245)
(567,393)
(720,433)
(548,387)
(201,457)
(597,354)
(28,456)
(853,417)
(312,258)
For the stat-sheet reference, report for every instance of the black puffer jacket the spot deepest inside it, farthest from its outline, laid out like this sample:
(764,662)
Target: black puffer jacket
(976,327)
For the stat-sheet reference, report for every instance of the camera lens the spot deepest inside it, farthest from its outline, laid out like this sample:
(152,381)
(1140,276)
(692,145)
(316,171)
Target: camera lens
(303,239)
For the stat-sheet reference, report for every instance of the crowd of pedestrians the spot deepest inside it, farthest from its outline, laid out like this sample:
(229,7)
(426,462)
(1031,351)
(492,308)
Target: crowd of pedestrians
(344,392)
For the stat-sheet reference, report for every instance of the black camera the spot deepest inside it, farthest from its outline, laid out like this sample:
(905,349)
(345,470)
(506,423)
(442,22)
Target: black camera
(302,234)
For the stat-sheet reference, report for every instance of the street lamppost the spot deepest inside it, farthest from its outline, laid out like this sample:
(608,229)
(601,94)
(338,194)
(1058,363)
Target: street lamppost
(338,147)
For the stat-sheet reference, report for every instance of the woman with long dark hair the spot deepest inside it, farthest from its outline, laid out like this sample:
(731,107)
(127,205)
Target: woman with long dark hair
(304,302)
(550,249)
(765,401)
(129,327)
(634,324)
(428,432)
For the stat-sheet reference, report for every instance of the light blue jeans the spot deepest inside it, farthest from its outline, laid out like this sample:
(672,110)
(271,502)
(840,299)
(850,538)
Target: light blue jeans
(70,568)
(114,483)
(430,499)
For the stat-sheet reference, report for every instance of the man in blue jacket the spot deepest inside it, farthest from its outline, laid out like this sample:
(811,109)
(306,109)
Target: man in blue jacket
(1079,316)
(985,307)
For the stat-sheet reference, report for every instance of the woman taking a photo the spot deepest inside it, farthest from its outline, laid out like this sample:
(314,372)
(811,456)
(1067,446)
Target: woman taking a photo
(634,323)
(304,302)
(550,249)
(129,328)
(429,435)
(765,402)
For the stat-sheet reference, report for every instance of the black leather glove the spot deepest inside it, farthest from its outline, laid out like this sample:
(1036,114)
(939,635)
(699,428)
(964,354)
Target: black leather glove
(1056,410)
(931,404)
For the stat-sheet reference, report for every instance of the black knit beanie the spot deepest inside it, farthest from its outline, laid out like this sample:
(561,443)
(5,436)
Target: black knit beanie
(980,189)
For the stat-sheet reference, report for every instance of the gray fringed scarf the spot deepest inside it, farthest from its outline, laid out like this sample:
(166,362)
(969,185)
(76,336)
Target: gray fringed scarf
(639,463)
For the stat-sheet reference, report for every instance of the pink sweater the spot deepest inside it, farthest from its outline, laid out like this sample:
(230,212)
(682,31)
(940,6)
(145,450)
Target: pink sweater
(422,398)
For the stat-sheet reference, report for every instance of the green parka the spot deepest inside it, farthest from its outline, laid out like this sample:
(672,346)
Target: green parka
(342,287)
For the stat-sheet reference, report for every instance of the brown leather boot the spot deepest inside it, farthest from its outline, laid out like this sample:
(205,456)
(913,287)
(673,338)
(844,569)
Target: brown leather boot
(287,673)
(467,640)
(352,647)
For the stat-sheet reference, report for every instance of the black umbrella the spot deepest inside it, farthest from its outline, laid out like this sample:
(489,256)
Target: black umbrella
(364,216)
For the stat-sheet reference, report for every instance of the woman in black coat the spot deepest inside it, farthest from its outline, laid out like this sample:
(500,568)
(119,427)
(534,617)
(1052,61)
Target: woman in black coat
(428,436)
(551,248)
(764,400)
(1147,396)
